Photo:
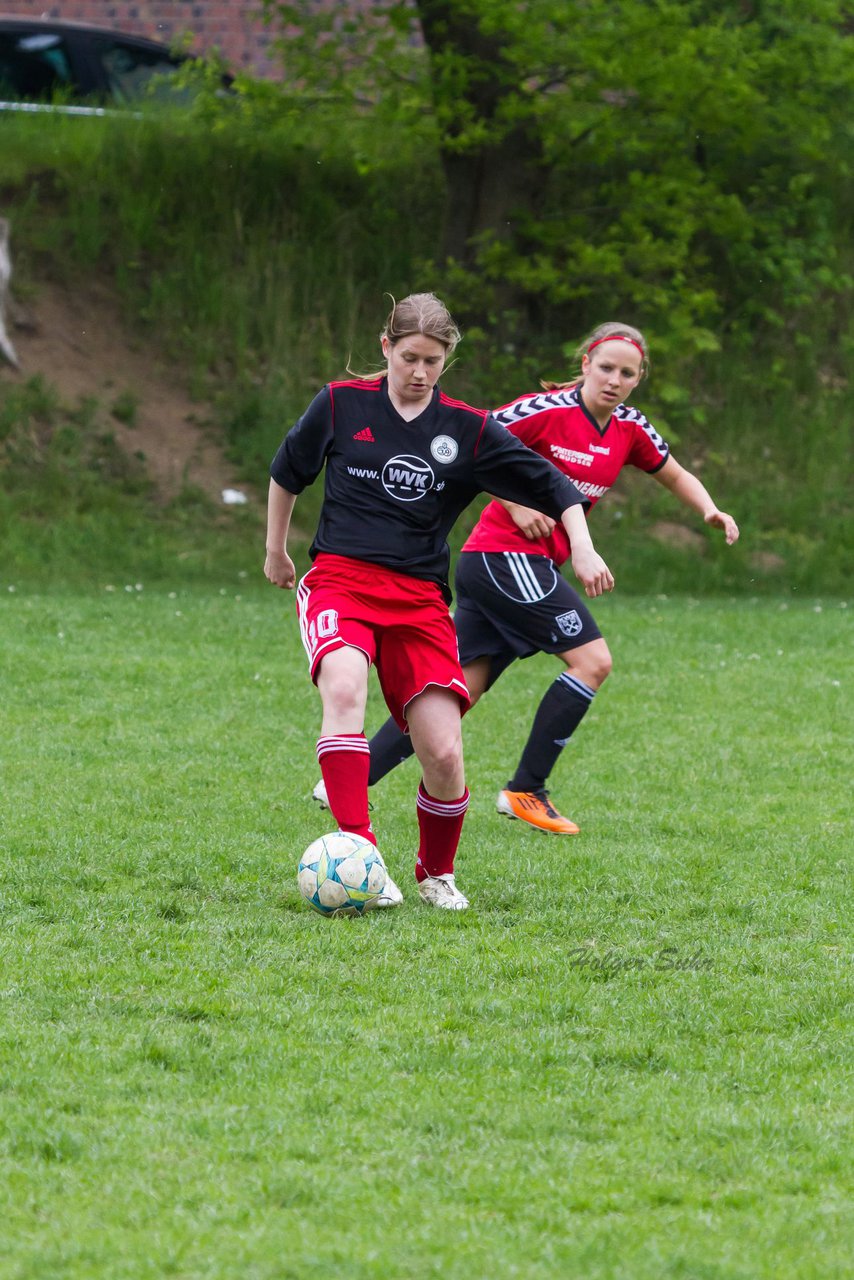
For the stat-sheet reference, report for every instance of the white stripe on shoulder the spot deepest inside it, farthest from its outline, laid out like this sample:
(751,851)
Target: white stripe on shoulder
(537,403)
(625,413)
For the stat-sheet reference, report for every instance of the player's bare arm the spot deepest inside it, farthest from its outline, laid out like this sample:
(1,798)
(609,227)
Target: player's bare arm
(278,566)
(588,566)
(690,491)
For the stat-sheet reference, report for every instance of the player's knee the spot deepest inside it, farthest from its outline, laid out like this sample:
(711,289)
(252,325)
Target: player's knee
(445,757)
(342,694)
(602,668)
(594,667)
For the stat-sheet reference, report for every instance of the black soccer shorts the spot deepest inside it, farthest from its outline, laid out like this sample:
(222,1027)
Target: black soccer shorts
(511,605)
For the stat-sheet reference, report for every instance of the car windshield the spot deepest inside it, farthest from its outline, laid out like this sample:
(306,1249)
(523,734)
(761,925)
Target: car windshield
(132,73)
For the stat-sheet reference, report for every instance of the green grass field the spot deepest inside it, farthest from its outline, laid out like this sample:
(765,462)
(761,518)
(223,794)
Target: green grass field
(628,1060)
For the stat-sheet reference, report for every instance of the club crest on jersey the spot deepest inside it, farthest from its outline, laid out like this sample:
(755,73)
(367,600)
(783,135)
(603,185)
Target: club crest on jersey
(444,449)
(407,478)
(569,623)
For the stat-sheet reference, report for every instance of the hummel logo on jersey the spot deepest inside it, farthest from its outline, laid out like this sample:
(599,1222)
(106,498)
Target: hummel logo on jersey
(365,434)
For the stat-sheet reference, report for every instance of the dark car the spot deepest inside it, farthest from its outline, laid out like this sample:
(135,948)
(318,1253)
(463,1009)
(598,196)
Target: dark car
(43,61)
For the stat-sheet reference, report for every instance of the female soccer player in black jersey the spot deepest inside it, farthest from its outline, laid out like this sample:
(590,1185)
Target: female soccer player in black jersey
(402,460)
(512,601)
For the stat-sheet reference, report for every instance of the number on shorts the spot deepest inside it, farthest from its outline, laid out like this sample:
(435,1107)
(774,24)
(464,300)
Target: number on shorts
(326,624)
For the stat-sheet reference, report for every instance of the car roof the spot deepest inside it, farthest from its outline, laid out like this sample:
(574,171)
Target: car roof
(62,26)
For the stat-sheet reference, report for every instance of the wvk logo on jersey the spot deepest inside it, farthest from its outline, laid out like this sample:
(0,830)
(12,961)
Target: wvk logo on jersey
(407,478)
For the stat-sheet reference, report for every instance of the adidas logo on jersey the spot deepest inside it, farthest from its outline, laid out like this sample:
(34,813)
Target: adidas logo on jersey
(365,434)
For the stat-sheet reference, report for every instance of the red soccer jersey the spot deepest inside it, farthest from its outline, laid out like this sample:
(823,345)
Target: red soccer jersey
(558,425)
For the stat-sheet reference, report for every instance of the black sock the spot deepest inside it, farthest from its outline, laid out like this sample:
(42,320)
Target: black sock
(562,709)
(389,746)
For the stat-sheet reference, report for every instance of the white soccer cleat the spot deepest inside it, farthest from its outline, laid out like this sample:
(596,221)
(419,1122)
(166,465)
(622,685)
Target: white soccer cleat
(441,891)
(319,794)
(390,897)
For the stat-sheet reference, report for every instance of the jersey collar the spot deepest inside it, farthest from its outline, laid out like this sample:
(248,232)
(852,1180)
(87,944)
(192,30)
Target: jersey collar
(408,422)
(589,416)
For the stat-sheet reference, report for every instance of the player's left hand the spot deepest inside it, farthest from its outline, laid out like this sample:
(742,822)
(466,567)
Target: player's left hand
(592,571)
(720,520)
(534,524)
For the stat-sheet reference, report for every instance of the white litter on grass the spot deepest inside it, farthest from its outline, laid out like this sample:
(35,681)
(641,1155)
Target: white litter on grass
(233,497)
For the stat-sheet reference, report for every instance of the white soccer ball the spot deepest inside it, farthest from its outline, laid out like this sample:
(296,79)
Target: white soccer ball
(340,874)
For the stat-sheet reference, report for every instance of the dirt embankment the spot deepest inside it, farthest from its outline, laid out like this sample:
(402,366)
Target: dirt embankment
(79,343)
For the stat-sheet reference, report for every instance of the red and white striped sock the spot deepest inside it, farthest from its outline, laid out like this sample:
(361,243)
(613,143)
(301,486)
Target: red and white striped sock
(440,823)
(345,759)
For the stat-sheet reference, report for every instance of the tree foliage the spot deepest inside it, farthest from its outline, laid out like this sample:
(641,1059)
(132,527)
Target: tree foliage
(686,164)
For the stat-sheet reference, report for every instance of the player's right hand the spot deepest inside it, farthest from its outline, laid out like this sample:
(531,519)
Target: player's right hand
(592,571)
(279,569)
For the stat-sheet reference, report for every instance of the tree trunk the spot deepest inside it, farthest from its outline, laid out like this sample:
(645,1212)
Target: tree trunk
(488,185)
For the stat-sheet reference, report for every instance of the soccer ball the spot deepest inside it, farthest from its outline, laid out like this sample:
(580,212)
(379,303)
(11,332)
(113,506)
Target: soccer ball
(340,874)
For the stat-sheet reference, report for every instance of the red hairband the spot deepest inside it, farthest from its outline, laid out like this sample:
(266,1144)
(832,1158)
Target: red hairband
(616,337)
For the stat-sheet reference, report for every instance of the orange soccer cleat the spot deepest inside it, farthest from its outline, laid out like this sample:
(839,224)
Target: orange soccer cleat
(535,808)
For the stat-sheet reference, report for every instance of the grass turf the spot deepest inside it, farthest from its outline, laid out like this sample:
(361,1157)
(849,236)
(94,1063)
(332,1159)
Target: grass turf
(627,1060)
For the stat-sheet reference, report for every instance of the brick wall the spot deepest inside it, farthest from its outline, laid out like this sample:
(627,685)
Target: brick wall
(233,26)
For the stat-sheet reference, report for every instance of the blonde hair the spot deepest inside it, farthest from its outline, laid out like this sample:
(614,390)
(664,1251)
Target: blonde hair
(417,313)
(422,313)
(610,329)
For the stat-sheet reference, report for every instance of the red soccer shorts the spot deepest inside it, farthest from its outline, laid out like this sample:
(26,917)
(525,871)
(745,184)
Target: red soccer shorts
(401,624)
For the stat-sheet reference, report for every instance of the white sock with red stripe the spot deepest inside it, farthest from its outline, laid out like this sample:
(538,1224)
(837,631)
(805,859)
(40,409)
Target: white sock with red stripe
(345,760)
(440,823)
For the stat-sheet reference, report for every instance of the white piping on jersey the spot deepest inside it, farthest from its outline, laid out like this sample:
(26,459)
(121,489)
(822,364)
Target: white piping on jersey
(577,686)
(523,575)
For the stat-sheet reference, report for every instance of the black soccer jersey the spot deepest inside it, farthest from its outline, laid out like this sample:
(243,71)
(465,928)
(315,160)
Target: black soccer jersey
(395,488)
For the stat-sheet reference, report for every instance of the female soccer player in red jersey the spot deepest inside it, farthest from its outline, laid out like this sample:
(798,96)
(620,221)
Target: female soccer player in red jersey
(512,601)
(402,460)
